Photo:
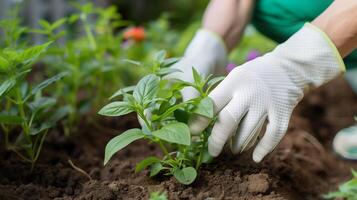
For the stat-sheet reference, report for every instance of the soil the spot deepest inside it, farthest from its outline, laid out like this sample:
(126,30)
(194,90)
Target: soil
(303,166)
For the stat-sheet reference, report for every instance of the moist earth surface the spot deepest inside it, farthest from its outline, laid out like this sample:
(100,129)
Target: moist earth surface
(303,166)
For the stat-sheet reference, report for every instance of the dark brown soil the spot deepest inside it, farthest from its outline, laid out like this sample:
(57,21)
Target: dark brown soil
(302,167)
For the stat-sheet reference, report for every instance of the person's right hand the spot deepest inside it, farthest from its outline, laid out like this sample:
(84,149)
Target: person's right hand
(207,54)
(268,88)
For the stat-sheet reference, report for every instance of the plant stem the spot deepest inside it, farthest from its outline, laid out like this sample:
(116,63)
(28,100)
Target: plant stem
(163,148)
(89,32)
(199,160)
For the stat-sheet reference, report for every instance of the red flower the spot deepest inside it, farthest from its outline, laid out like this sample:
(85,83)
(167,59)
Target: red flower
(135,33)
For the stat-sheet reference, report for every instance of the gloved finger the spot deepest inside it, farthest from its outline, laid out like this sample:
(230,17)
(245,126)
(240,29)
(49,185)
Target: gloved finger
(197,123)
(189,93)
(220,96)
(248,131)
(275,131)
(225,126)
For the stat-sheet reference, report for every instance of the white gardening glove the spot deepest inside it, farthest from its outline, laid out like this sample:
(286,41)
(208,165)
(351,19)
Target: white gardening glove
(207,54)
(269,88)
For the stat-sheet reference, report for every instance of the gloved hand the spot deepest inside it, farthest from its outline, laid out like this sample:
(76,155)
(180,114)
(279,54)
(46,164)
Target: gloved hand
(207,54)
(269,88)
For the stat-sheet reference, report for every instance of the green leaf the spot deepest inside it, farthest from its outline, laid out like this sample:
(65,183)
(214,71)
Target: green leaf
(46,83)
(155,169)
(206,157)
(196,76)
(6,86)
(58,23)
(215,80)
(354,173)
(170,61)
(4,64)
(160,56)
(205,108)
(136,63)
(166,71)
(121,141)
(176,132)
(158,196)
(42,127)
(116,108)
(41,103)
(186,175)
(29,55)
(44,24)
(59,114)
(146,89)
(145,163)
(10,119)
(122,91)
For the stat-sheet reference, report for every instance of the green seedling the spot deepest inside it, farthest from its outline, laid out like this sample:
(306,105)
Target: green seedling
(346,191)
(164,118)
(23,104)
(158,196)
(92,60)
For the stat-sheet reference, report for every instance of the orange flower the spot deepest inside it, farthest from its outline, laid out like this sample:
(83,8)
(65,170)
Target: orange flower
(135,33)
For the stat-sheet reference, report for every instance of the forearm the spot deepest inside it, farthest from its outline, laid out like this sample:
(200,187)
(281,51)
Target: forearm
(339,22)
(228,18)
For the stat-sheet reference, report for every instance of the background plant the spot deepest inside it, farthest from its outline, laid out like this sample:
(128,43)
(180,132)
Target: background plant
(347,190)
(158,104)
(25,105)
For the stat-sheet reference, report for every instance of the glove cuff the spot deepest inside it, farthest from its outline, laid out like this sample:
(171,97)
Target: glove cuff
(210,45)
(309,57)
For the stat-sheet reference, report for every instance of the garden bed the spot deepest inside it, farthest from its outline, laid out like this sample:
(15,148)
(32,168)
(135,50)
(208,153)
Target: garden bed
(302,167)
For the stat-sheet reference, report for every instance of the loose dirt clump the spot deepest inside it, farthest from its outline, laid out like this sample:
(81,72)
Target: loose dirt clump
(303,166)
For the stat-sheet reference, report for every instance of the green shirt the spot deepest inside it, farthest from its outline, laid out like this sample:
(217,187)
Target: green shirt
(279,19)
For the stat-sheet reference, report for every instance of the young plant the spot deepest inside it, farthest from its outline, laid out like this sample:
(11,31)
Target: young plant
(24,105)
(158,196)
(346,191)
(164,116)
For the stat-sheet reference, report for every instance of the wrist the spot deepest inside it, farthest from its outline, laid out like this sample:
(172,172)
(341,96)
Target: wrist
(338,22)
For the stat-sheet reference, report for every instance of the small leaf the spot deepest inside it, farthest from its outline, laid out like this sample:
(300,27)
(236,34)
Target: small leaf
(58,23)
(146,89)
(6,86)
(4,64)
(44,24)
(132,62)
(186,175)
(196,76)
(59,114)
(41,103)
(155,169)
(145,163)
(160,56)
(354,173)
(176,132)
(215,80)
(166,71)
(205,108)
(42,127)
(46,83)
(116,108)
(29,55)
(170,61)
(10,119)
(122,91)
(121,141)
(158,196)
(206,157)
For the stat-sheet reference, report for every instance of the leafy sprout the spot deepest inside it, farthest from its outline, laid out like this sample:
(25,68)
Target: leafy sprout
(158,103)
(347,190)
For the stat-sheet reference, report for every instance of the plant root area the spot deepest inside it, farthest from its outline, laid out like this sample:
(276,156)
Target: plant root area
(303,166)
